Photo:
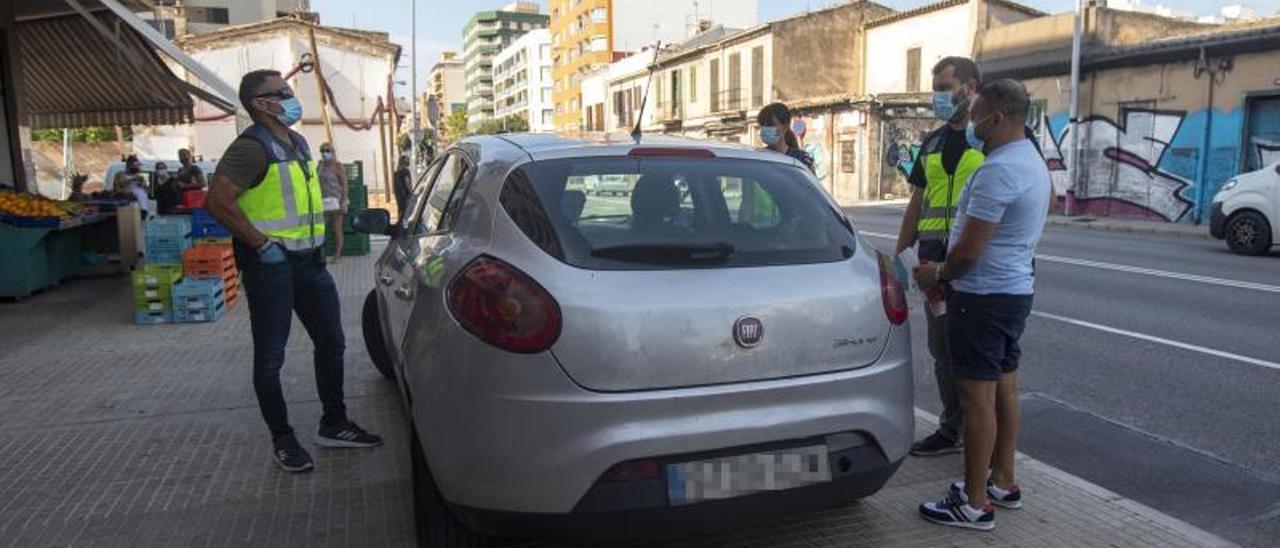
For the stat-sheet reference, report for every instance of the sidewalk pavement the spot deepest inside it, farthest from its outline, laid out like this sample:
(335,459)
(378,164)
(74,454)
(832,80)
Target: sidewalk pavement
(1108,224)
(137,436)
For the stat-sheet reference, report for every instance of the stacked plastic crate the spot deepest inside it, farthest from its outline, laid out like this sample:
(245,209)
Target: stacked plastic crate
(211,285)
(204,229)
(167,236)
(152,293)
(353,243)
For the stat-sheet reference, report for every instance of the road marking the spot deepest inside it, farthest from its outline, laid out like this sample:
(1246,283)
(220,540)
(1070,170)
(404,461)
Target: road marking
(1136,270)
(1160,340)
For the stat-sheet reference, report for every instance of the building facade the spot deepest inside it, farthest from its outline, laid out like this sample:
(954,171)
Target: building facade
(486,34)
(177,18)
(1169,110)
(522,81)
(587,35)
(447,87)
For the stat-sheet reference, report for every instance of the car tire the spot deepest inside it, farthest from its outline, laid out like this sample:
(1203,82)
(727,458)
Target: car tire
(371,326)
(1248,233)
(435,525)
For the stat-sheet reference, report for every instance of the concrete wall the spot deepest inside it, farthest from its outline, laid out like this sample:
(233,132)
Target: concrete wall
(832,36)
(938,34)
(1153,146)
(357,75)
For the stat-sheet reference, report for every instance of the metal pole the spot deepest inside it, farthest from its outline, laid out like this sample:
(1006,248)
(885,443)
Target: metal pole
(413,77)
(1073,162)
(320,83)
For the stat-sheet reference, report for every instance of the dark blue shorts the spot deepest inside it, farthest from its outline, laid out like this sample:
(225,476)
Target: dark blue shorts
(983,333)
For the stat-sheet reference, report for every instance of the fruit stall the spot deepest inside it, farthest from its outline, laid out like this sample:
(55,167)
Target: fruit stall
(44,241)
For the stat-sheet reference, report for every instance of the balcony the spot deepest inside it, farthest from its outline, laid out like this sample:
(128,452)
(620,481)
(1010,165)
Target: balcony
(729,102)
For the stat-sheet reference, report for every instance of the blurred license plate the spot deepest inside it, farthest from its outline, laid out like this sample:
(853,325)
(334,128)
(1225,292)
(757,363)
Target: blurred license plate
(739,475)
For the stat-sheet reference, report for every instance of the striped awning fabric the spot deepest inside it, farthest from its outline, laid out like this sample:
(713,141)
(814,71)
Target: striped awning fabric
(74,76)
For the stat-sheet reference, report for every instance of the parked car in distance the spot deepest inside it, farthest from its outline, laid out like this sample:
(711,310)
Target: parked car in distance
(613,185)
(1246,211)
(575,368)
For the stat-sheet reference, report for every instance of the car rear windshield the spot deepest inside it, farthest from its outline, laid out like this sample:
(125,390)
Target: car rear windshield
(630,213)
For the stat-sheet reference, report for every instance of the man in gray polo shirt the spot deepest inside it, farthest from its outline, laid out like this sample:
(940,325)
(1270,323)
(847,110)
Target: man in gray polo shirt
(989,275)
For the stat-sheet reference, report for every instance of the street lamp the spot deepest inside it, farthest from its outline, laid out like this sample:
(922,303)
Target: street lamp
(413,77)
(1073,160)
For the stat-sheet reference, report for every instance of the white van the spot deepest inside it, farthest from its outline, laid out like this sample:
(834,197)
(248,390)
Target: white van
(1246,211)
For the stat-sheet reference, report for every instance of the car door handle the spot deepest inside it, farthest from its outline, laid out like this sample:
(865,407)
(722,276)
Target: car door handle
(404,292)
(386,279)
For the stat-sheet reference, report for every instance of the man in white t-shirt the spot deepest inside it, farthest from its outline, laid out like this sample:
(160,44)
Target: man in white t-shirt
(990,272)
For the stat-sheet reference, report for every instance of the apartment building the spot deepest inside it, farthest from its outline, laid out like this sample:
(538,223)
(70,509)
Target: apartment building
(522,81)
(486,34)
(587,35)
(447,86)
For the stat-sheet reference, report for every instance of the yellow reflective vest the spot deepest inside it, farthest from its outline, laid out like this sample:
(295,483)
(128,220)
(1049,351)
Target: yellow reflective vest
(286,205)
(942,190)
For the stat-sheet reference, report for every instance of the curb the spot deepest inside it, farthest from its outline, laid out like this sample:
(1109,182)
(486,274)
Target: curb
(1199,536)
(1102,225)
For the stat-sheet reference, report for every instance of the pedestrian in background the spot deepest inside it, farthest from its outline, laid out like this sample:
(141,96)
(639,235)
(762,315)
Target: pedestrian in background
(943,166)
(776,133)
(189,174)
(134,182)
(402,185)
(333,184)
(999,220)
(168,191)
(266,192)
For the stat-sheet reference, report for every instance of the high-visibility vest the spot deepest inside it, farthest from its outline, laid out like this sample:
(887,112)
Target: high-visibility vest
(942,190)
(286,205)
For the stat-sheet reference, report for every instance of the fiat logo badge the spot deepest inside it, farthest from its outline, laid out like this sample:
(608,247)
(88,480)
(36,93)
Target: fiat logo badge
(748,332)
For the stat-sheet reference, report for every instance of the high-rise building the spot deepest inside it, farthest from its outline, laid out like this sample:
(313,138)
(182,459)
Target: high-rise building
(447,88)
(485,35)
(522,81)
(182,17)
(589,34)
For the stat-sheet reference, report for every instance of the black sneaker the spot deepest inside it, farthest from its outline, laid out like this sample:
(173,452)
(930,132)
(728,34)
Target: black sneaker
(936,444)
(1010,498)
(953,511)
(347,434)
(291,456)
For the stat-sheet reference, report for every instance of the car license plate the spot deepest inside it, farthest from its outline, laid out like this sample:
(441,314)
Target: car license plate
(739,475)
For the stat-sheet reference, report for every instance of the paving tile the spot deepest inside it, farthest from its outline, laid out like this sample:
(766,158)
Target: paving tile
(118,435)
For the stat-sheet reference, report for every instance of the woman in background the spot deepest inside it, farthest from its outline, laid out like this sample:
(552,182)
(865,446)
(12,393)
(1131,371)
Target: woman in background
(775,132)
(333,187)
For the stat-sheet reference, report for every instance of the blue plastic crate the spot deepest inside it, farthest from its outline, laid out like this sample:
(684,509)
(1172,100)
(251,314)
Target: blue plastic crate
(204,225)
(197,294)
(198,315)
(168,227)
(166,250)
(152,318)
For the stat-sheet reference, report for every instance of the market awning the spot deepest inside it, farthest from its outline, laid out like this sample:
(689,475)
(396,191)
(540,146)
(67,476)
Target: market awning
(75,76)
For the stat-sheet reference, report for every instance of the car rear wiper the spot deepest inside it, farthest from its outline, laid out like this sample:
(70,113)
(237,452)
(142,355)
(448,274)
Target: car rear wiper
(667,253)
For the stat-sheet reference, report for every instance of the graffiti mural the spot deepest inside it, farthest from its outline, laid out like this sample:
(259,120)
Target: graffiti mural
(1146,164)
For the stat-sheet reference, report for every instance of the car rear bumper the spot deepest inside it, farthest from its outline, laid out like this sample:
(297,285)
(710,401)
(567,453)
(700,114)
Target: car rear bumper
(597,517)
(1217,221)
(520,438)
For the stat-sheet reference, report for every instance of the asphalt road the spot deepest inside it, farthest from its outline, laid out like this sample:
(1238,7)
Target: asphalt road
(1151,367)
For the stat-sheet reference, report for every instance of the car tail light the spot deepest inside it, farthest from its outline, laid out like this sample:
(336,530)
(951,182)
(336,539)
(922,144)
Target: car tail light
(892,293)
(633,470)
(675,152)
(504,307)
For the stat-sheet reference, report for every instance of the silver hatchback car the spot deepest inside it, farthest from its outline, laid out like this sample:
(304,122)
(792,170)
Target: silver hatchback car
(718,346)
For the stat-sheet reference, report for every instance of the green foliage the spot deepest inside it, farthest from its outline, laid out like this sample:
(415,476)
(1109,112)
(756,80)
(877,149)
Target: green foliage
(510,124)
(455,126)
(91,135)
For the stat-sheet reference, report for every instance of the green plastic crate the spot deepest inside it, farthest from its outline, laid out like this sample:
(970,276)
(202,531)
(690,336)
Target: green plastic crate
(353,245)
(355,173)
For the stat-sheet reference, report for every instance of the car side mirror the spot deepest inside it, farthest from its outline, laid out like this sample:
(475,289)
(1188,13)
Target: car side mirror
(372,221)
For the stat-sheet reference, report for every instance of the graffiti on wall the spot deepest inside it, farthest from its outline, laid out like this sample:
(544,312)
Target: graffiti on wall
(1146,164)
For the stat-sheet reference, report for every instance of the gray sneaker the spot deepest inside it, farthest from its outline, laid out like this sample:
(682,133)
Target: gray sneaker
(936,444)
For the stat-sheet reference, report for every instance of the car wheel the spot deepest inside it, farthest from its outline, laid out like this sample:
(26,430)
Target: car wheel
(373,339)
(436,526)
(1248,233)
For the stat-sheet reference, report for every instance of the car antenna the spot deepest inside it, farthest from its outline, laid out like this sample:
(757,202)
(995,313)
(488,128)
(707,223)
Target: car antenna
(636,133)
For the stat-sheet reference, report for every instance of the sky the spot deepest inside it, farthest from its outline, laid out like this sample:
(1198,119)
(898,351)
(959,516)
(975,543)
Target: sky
(440,22)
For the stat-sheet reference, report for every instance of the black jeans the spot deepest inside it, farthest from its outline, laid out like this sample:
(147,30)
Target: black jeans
(301,285)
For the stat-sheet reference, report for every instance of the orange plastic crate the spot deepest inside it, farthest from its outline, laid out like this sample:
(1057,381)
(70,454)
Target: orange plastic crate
(209,261)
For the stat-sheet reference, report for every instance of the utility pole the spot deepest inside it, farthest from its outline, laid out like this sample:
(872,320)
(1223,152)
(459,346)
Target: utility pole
(413,78)
(320,84)
(1073,161)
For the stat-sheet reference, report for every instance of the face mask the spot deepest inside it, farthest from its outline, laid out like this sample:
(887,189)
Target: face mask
(971,135)
(328,156)
(944,106)
(770,135)
(292,111)
(162,175)
(134,169)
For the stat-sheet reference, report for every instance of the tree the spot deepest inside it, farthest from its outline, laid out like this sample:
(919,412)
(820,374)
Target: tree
(455,126)
(509,124)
